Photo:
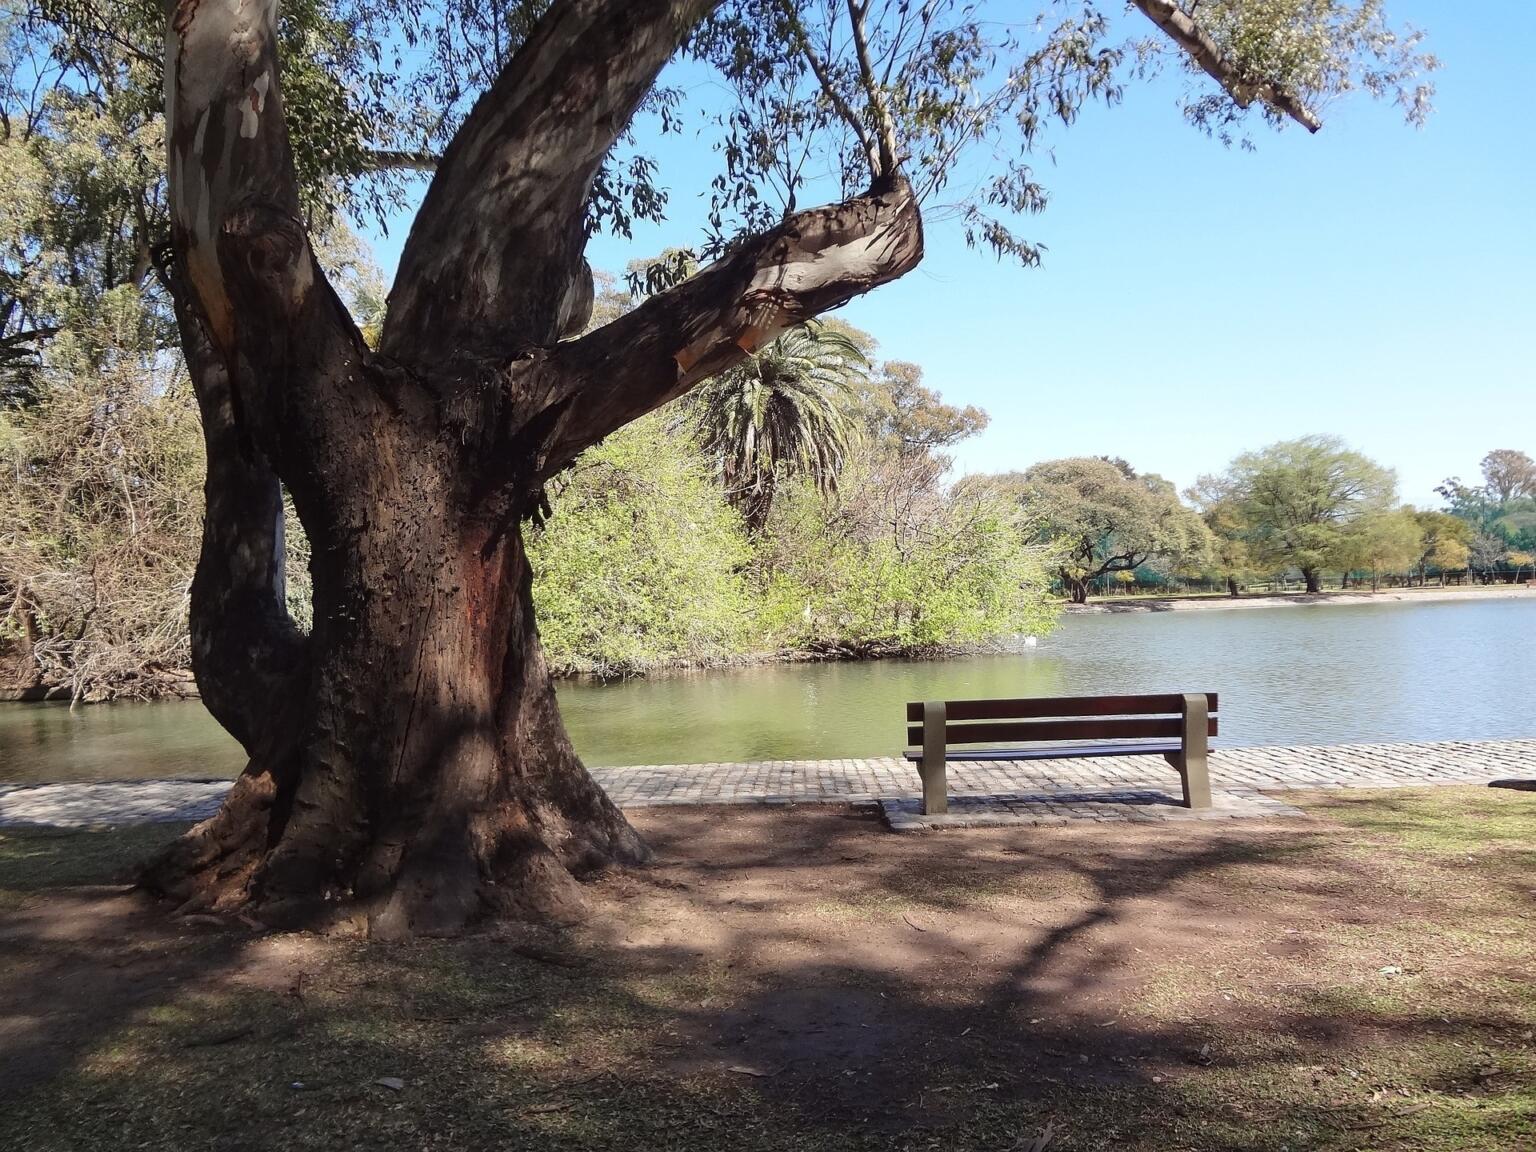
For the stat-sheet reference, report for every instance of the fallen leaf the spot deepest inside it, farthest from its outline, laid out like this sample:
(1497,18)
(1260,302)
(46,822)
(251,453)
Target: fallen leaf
(393,1083)
(748,1070)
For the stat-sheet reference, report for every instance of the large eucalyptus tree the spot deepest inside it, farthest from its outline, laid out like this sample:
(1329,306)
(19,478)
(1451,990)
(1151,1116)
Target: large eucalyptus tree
(408,764)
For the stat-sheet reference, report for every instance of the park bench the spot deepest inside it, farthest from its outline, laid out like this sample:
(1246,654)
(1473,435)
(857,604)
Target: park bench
(1174,726)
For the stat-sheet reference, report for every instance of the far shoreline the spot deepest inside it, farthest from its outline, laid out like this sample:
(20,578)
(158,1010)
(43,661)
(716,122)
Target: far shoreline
(1525,591)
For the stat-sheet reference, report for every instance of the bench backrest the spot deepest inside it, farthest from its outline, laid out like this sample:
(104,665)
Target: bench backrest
(1042,719)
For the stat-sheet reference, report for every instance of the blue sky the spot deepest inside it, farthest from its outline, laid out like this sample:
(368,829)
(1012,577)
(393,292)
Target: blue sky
(1372,281)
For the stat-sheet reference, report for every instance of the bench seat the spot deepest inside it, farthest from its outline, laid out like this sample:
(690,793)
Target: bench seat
(1059,752)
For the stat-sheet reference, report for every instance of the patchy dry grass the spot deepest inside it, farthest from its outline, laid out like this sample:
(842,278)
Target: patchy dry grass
(804,980)
(38,859)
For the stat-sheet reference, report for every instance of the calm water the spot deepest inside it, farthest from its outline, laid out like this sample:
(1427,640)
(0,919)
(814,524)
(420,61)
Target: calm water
(1297,675)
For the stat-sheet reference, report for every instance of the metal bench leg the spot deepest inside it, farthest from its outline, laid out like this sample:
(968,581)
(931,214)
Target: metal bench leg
(1193,769)
(932,768)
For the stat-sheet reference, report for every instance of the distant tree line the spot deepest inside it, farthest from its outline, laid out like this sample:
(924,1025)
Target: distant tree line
(1299,511)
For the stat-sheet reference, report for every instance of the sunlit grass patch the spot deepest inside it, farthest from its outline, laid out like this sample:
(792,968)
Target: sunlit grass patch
(1445,821)
(34,859)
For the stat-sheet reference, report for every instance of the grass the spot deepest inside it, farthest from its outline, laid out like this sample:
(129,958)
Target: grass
(805,981)
(39,859)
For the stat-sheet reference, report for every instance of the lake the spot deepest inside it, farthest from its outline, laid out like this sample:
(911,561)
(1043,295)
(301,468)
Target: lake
(1313,674)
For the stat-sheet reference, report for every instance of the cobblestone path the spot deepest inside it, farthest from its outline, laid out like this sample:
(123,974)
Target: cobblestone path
(1245,782)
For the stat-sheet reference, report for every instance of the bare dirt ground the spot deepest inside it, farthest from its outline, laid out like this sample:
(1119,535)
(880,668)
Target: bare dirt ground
(803,979)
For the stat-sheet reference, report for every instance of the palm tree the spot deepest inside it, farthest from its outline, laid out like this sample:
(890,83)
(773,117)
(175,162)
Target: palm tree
(786,411)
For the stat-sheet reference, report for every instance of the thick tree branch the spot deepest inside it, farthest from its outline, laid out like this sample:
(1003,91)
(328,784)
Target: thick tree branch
(247,653)
(496,248)
(1182,29)
(814,261)
(227,148)
(243,255)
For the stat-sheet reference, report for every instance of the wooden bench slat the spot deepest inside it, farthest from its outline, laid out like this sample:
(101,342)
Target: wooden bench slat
(1059,752)
(1003,731)
(1032,707)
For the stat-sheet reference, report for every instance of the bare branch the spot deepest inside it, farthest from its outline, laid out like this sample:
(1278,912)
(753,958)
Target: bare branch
(885,124)
(243,258)
(1181,27)
(829,88)
(234,199)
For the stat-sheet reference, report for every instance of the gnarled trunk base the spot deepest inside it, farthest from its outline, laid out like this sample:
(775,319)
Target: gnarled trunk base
(421,779)
(524,855)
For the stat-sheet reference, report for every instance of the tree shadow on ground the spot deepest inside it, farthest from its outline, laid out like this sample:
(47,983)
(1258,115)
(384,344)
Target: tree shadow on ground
(806,980)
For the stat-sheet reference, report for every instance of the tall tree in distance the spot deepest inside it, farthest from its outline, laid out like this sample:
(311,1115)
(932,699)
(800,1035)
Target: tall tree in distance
(1444,541)
(1389,541)
(903,411)
(1212,496)
(1294,502)
(409,768)
(1101,517)
(1509,475)
(784,411)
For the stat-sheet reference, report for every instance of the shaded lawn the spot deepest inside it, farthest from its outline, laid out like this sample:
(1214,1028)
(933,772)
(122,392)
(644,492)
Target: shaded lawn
(802,979)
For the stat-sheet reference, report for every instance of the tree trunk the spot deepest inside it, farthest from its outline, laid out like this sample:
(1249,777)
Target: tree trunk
(1077,588)
(755,505)
(424,779)
(1314,579)
(1232,588)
